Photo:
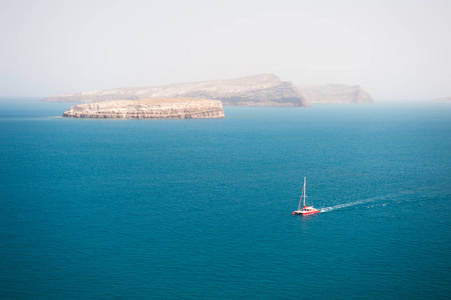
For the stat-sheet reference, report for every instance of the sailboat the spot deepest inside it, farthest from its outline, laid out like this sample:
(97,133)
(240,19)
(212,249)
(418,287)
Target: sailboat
(305,210)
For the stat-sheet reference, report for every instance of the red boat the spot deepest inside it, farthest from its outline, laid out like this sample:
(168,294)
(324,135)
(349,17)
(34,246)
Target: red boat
(305,210)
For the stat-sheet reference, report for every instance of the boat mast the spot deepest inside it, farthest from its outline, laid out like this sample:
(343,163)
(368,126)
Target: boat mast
(304,191)
(300,200)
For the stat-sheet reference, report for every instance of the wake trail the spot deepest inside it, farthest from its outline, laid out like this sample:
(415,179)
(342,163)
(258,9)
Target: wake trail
(330,208)
(363,201)
(404,195)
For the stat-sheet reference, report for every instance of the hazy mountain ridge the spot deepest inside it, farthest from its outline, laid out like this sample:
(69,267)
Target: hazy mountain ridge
(442,99)
(335,93)
(255,90)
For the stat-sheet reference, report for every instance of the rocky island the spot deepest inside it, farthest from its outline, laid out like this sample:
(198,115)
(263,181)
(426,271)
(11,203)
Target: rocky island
(156,108)
(335,93)
(255,90)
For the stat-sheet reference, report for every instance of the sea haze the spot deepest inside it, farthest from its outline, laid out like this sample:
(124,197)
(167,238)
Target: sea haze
(157,209)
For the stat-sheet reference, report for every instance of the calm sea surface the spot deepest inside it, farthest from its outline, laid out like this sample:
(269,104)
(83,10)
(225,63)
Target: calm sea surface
(157,209)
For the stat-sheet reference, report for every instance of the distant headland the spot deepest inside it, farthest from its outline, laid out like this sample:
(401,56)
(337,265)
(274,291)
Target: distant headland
(442,99)
(256,90)
(335,93)
(157,108)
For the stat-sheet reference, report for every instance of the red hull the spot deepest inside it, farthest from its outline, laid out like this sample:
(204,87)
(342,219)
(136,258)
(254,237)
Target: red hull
(306,213)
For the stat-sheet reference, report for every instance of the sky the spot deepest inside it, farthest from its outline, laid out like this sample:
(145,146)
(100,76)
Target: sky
(396,50)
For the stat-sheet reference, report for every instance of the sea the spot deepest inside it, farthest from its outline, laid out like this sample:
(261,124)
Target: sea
(202,208)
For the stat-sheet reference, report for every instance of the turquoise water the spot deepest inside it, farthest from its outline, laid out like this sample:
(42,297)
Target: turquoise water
(157,209)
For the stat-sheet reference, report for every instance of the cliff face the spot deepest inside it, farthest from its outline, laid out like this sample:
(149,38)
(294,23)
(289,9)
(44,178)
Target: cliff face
(335,93)
(256,90)
(157,108)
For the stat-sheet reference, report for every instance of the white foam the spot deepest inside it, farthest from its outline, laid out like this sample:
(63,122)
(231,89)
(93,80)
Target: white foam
(327,209)
(397,197)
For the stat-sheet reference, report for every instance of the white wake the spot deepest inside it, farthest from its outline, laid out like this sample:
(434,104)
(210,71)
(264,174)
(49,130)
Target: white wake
(330,208)
(358,202)
(396,197)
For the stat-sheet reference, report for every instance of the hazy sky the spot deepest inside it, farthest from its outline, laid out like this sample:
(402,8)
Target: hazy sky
(396,50)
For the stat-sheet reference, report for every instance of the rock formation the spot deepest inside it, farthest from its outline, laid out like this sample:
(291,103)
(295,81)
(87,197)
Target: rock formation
(335,93)
(157,108)
(256,90)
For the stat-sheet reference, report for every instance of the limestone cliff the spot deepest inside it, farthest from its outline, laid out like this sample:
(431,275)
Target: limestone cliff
(256,90)
(335,93)
(156,108)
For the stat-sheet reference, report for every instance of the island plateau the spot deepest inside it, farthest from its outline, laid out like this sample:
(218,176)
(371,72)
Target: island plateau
(156,108)
(335,93)
(255,90)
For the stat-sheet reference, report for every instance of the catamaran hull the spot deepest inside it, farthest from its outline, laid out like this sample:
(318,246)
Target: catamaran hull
(306,212)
